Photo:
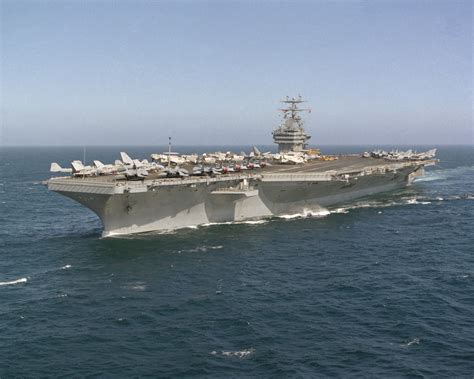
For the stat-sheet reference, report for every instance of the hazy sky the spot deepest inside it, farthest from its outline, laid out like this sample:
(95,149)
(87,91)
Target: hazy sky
(208,72)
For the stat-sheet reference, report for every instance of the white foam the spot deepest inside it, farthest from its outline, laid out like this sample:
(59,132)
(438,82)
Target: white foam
(252,222)
(132,236)
(414,341)
(238,354)
(340,210)
(370,204)
(415,201)
(200,249)
(289,217)
(429,178)
(17,281)
(306,213)
(137,286)
(386,204)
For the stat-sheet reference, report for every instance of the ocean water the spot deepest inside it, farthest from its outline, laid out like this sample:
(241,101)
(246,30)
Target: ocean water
(383,287)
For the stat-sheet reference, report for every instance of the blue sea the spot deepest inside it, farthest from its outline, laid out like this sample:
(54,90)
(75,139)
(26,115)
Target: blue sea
(382,287)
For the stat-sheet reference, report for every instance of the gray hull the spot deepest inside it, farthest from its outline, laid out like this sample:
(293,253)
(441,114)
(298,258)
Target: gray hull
(143,208)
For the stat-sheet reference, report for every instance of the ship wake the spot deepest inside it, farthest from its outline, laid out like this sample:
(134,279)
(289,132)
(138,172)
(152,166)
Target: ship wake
(306,213)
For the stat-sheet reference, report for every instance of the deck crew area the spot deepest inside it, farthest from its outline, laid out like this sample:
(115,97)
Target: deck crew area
(342,165)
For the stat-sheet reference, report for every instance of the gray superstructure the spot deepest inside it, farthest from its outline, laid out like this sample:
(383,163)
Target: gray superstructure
(162,198)
(290,135)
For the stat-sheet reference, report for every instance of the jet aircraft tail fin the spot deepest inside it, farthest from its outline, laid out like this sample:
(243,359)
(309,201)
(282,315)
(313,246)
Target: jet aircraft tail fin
(77,166)
(126,158)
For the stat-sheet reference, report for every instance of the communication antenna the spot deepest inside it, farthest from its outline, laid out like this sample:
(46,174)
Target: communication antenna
(169,151)
(84,161)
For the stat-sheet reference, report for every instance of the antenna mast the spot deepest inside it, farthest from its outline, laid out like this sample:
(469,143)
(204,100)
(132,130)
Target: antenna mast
(84,160)
(169,152)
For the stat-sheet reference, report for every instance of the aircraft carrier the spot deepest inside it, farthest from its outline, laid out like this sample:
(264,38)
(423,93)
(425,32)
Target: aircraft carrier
(175,191)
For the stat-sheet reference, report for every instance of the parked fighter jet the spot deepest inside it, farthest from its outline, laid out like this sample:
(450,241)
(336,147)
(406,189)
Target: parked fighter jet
(57,168)
(291,158)
(130,163)
(227,169)
(396,155)
(176,172)
(105,169)
(78,169)
(191,158)
(169,157)
(430,154)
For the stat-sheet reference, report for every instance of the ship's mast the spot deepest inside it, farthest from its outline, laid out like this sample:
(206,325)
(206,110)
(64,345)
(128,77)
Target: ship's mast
(291,110)
(169,152)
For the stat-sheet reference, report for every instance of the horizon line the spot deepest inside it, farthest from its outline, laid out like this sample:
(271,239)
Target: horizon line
(237,145)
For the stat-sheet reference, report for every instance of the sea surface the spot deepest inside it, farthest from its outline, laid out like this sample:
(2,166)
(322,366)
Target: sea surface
(382,287)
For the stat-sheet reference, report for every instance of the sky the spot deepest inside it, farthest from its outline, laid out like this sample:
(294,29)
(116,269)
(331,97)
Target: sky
(209,72)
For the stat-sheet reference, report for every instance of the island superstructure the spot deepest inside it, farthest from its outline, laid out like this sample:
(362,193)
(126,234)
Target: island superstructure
(174,191)
(291,136)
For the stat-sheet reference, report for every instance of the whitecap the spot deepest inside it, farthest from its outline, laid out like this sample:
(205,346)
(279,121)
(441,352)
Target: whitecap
(17,281)
(414,341)
(199,249)
(238,354)
(137,286)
